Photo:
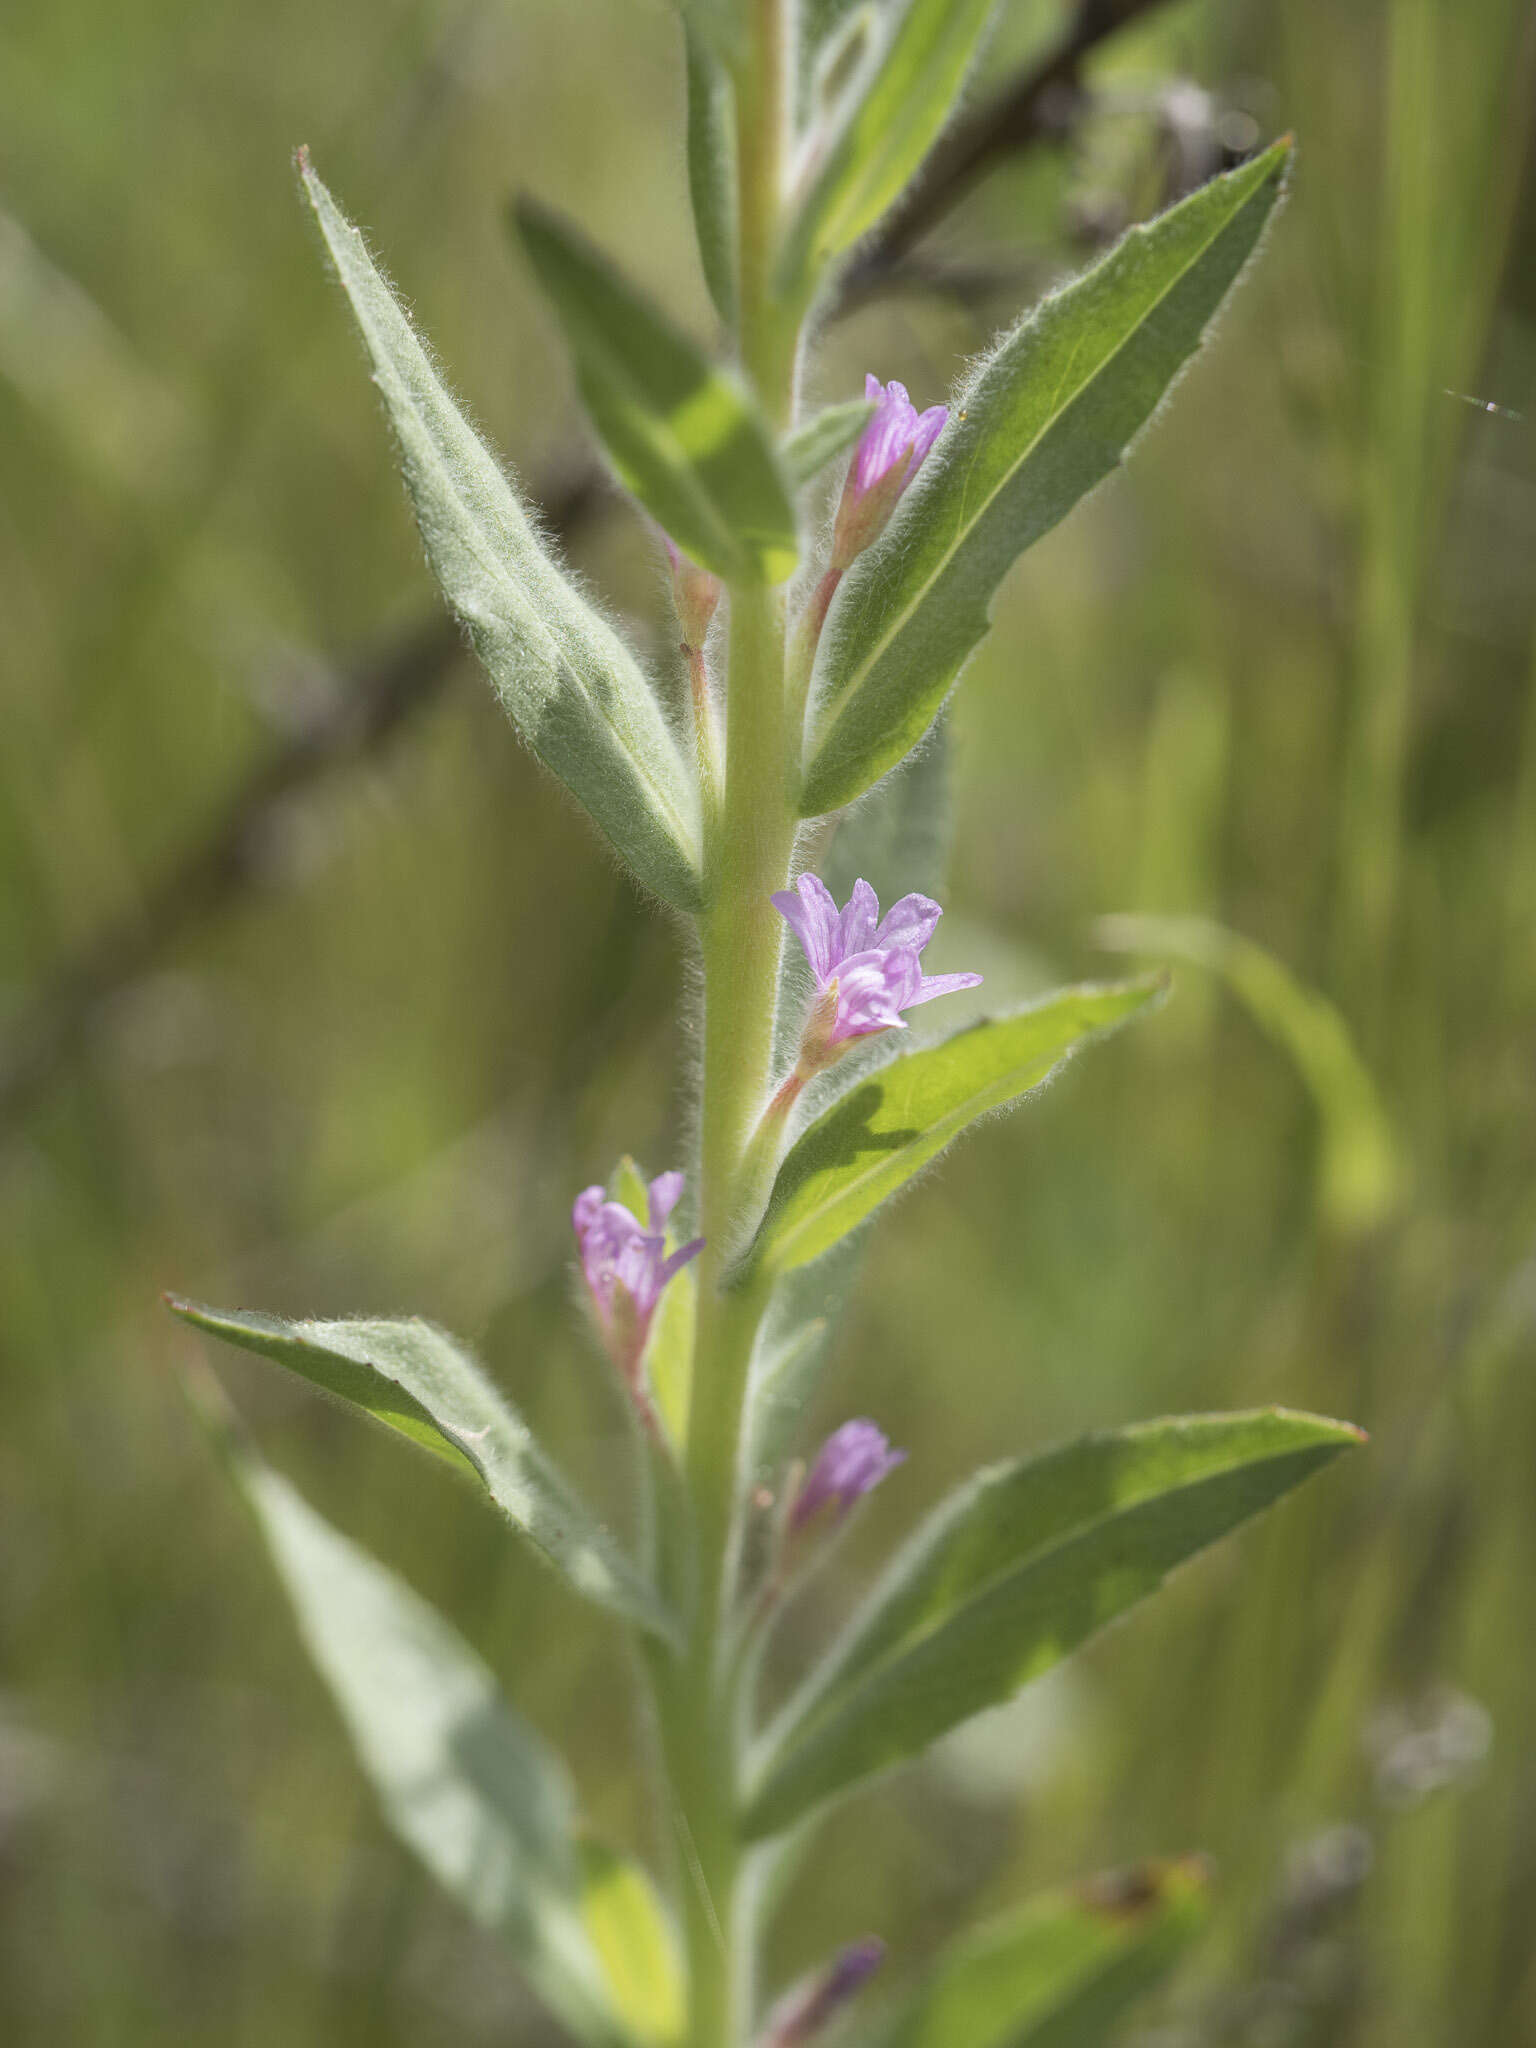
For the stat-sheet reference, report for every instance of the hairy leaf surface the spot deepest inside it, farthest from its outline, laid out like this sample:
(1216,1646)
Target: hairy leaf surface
(686,438)
(891,115)
(1013,1571)
(422,1383)
(890,1123)
(462,1779)
(567,680)
(1044,418)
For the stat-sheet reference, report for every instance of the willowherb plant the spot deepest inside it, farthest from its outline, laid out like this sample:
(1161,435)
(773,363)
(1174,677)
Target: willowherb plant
(815,666)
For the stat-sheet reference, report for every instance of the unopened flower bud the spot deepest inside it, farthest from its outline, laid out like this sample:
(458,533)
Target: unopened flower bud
(806,2010)
(851,1463)
(889,455)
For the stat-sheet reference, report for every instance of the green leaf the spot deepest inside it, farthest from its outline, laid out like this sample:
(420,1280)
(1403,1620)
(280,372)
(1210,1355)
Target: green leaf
(885,125)
(718,22)
(462,1779)
(685,437)
(420,1382)
(566,679)
(826,435)
(712,170)
(636,1942)
(892,1122)
(1010,1574)
(1361,1171)
(1060,1971)
(1044,418)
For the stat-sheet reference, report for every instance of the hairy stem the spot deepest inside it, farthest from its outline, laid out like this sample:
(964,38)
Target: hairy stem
(741,933)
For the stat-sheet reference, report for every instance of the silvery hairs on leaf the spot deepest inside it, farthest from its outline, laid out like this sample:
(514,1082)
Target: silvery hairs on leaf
(567,680)
(1046,416)
(418,1381)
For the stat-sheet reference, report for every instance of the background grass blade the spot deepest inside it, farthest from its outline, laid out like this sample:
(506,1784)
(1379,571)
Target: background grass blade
(1361,1173)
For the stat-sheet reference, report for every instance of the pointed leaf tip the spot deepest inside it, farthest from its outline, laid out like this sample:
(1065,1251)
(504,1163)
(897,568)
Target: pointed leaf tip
(565,677)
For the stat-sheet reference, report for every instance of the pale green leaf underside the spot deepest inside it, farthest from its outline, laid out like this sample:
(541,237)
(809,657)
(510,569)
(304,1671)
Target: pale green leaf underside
(462,1779)
(1362,1172)
(1046,417)
(685,437)
(1059,1971)
(824,436)
(890,1124)
(417,1380)
(1011,1573)
(896,106)
(567,680)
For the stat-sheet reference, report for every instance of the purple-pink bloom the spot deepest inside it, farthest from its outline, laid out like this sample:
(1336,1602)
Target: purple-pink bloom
(806,2010)
(889,455)
(626,1265)
(851,1463)
(868,969)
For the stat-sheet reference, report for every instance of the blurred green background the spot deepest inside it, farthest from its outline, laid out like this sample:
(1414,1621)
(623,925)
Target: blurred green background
(316,994)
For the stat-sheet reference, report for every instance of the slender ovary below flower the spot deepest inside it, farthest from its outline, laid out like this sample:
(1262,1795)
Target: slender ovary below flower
(695,595)
(851,1463)
(888,456)
(626,1267)
(868,969)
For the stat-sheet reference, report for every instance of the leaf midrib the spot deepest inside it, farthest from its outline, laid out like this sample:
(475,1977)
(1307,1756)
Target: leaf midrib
(799,1724)
(940,1129)
(682,837)
(827,722)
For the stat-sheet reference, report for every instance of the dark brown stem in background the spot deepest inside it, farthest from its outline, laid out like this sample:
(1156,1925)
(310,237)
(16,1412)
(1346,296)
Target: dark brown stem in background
(374,699)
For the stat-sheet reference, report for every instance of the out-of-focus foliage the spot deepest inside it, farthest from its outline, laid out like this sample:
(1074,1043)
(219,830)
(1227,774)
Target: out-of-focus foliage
(1281,676)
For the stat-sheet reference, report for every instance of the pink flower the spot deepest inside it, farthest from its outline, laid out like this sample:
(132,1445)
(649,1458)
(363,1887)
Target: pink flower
(626,1265)
(851,1463)
(868,969)
(888,456)
(819,1998)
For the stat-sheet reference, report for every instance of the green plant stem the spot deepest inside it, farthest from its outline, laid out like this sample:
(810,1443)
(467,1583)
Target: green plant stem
(748,857)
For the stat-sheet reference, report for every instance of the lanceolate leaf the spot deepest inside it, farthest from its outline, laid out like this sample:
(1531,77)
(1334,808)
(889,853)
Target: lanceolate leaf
(1011,1573)
(1059,1971)
(418,1381)
(685,437)
(462,1779)
(1048,414)
(712,170)
(567,680)
(892,1122)
(828,433)
(892,113)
